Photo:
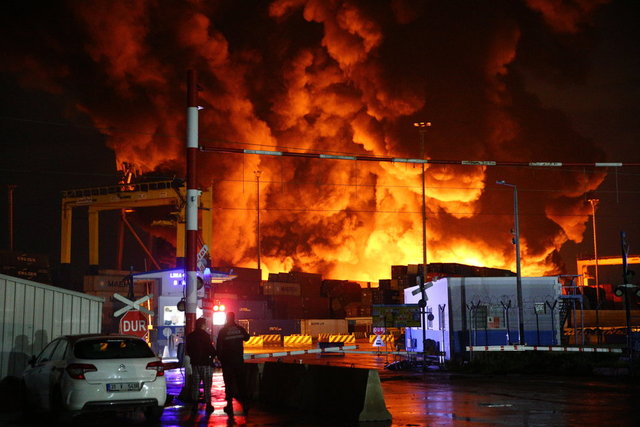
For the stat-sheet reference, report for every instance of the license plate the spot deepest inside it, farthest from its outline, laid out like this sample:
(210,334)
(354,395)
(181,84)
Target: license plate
(123,387)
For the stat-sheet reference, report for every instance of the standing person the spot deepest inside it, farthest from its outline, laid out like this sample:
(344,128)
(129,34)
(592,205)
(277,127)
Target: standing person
(230,345)
(202,353)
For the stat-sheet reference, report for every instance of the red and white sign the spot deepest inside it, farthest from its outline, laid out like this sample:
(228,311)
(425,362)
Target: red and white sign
(134,323)
(379,331)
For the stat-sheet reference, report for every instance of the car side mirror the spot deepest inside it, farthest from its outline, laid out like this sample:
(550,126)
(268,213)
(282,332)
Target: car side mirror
(32,361)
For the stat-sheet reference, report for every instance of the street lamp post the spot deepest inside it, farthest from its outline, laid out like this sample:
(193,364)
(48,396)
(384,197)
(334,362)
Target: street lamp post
(257,174)
(516,240)
(422,128)
(594,203)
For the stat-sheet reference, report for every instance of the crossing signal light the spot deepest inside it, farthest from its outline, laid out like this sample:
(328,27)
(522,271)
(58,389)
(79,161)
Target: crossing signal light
(219,314)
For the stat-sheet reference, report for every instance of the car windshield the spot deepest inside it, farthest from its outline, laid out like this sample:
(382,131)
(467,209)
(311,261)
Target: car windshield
(111,348)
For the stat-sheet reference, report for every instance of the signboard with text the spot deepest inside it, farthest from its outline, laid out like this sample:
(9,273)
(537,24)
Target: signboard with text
(134,323)
(396,315)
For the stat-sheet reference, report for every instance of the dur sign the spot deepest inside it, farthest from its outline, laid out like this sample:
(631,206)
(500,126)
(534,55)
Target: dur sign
(134,323)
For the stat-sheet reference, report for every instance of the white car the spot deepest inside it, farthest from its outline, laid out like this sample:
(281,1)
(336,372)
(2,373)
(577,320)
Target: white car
(83,373)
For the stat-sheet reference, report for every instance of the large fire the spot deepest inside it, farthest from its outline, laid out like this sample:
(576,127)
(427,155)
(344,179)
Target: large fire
(341,77)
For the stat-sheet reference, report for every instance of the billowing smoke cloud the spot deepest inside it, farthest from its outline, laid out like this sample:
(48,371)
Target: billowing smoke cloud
(340,77)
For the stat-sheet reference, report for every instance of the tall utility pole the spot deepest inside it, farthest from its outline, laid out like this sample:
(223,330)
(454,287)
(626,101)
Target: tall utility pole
(594,203)
(191,213)
(257,174)
(516,241)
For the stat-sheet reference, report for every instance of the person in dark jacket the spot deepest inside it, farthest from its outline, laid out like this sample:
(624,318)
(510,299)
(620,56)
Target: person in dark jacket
(230,345)
(202,353)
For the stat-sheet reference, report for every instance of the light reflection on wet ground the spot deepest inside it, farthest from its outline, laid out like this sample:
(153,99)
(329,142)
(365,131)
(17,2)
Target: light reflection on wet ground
(434,398)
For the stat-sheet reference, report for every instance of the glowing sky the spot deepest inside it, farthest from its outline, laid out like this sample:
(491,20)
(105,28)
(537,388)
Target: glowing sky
(500,80)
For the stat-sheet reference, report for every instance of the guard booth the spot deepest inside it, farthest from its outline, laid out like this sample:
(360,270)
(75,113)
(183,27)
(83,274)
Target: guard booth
(463,311)
(167,331)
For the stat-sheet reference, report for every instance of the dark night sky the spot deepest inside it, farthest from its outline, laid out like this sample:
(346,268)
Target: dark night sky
(55,91)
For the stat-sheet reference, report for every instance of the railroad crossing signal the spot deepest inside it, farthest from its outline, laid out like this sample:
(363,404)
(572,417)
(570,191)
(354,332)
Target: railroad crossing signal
(421,288)
(132,305)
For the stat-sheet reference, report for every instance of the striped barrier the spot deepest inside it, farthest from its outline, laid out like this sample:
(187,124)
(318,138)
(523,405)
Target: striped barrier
(298,352)
(272,339)
(296,340)
(543,348)
(347,339)
(385,338)
(256,341)
(323,337)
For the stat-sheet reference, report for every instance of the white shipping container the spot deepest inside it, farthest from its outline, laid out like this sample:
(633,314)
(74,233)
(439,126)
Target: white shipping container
(314,327)
(32,314)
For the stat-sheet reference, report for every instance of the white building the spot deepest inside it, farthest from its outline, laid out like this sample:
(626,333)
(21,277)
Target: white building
(484,311)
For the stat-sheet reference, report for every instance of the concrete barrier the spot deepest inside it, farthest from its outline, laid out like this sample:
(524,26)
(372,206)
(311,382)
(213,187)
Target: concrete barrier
(254,342)
(253,372)
(323,337)
(348,339)
(297,340)
(272,339)
(385,338)
(353,394)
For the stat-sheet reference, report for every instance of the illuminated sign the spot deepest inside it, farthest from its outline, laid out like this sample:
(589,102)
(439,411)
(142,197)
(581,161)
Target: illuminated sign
(396,316)
(178,278)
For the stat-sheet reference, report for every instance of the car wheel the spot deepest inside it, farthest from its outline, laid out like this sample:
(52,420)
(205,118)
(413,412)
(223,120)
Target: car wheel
(154,413)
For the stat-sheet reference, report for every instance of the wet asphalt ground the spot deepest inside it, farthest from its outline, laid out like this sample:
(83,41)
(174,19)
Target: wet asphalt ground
(414,398)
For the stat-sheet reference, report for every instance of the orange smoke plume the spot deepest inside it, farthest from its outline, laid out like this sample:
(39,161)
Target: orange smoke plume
(342,77)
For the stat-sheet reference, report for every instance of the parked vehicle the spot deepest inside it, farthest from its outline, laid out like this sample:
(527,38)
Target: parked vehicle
(83,373)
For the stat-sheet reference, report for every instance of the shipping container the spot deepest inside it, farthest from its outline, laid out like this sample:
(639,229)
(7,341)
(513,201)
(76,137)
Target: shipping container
(25,265)
(242,273)
(247,284)
(384,283)
(310,283)
(32,314)
(24,259)
(113,281)
(360,324)
(281,288)
(246,309)
(242,288)
(314,327)
(315,307)
(38,274)
(286,306)
(271,326)
(398,271)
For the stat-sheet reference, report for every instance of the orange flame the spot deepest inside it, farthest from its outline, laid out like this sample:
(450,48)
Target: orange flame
(341,77)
